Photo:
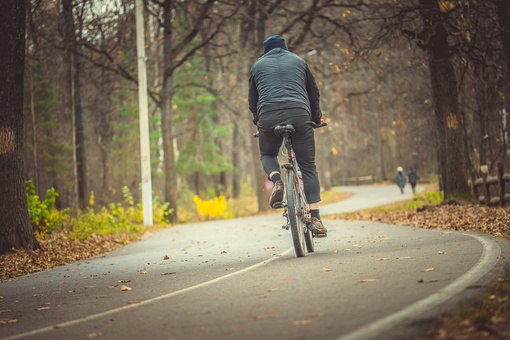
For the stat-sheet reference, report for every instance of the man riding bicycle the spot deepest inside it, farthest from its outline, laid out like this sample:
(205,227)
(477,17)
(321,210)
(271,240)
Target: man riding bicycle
(283,90)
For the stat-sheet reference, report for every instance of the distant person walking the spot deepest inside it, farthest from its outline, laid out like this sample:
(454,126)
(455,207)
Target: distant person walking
(400,179)
(413,179)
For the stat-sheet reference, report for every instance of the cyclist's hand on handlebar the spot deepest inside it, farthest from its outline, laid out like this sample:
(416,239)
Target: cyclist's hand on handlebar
(256,134)
(320,124)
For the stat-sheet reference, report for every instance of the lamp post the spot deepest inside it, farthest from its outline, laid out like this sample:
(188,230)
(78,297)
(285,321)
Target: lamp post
(144,119)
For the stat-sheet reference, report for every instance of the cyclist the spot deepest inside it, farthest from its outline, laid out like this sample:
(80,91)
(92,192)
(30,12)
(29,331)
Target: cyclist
(283,90)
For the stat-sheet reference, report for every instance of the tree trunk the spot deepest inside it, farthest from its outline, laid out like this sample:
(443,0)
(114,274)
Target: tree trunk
(73,103)
(34,130)
(481,101)
(445,95)
(260,175)
(166,113)
(236,162)
(79,145)
(503,9)
(15,229)
(324,147)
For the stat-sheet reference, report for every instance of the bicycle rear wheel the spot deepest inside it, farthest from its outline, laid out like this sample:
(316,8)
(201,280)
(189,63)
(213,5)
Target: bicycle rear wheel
(310,246)
(295,214)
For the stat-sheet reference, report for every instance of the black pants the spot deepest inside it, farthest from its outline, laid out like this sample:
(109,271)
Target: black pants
(303,143)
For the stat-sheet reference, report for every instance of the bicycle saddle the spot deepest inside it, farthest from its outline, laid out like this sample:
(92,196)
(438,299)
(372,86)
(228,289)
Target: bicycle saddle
(281,130)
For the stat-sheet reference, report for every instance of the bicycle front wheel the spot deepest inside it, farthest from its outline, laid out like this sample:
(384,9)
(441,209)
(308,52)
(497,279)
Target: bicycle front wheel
(295,213)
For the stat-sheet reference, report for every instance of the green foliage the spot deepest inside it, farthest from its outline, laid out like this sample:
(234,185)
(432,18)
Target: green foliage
(116,218)
(43,215)
(426,198)
(197,114)
(45,105)
(430,198)
(125,145)
(434,178)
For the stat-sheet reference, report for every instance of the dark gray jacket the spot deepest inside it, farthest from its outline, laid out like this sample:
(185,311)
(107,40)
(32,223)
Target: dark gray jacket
(281,80)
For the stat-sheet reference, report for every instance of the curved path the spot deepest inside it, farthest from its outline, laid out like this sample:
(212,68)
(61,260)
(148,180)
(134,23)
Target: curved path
(240,279)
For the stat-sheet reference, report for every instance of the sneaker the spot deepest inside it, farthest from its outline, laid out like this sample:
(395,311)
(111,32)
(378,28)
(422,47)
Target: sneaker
(317,228)
(276,195)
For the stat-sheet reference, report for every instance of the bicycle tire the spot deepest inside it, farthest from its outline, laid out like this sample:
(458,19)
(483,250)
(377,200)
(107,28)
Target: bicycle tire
(295,215)
(310,246)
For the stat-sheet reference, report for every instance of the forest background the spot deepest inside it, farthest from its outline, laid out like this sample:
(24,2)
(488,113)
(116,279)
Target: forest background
(418,84)
(421,84)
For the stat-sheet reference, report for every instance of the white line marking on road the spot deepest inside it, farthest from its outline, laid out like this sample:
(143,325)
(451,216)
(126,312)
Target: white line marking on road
(145,302)
(490,255)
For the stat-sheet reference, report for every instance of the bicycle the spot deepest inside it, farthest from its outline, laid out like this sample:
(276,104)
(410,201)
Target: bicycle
(295,207)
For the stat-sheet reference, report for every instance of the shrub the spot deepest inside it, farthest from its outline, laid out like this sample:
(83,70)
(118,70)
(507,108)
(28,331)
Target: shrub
(116,218)
(43,215)
(212,208)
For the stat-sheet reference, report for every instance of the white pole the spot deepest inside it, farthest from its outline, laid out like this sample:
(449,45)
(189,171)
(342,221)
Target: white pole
(144,119)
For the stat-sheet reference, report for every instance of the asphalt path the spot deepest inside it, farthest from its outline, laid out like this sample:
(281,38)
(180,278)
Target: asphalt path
(240,279)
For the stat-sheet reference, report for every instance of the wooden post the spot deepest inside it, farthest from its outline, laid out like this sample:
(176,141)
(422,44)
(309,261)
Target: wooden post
(501,185)
(485,171)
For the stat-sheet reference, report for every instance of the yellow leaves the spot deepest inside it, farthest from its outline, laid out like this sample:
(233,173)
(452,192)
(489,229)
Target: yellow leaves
(446,5)
(213,208)
(92,198)
(334,151)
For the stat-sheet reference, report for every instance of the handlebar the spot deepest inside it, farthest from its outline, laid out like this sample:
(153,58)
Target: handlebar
(321,124)
(313,124)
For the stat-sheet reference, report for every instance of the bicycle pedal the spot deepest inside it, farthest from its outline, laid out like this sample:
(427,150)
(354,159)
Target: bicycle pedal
(277,206)
(320,235)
